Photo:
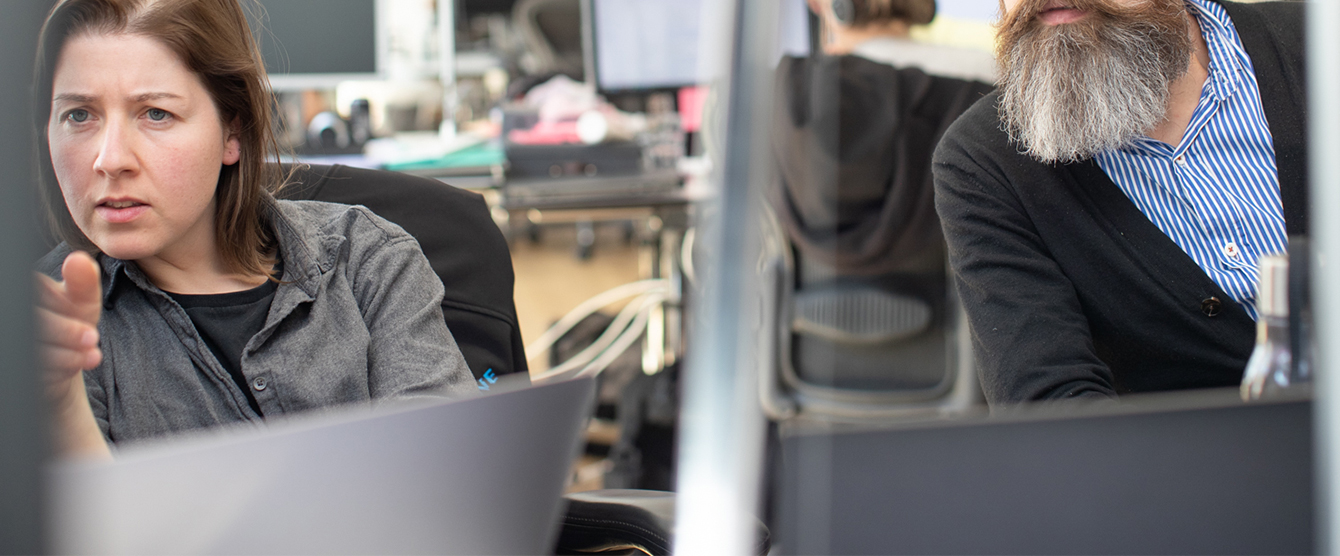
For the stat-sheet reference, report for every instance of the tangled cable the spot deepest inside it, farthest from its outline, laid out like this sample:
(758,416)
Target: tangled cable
(626,328)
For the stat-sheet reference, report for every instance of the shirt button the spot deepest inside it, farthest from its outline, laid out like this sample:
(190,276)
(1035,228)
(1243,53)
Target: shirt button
(1231,250)
(1181,161)
(1211,306)
(259,383)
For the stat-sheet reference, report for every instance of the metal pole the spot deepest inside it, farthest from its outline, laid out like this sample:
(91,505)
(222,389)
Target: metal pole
(446,66)
(1323,55)
(721,424)
(23,446)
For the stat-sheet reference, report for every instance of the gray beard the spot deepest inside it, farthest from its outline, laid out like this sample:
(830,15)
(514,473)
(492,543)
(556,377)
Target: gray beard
(1071,92)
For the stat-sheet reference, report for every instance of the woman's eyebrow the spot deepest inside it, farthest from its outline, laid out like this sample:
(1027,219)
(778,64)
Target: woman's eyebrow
(144,97)
(74,97)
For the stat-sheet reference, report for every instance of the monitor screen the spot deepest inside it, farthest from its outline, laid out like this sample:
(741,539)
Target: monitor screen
(645,44)
(793,38)
(639,45)
(310,44)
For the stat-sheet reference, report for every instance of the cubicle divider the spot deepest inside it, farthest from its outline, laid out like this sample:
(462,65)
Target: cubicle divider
(23,445)
(1323,45)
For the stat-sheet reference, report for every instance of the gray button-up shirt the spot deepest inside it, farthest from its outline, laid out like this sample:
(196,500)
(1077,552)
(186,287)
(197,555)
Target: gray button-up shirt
(357,317)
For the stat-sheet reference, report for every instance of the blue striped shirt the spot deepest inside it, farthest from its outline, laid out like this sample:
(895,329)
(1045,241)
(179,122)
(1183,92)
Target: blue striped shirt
(1216,195)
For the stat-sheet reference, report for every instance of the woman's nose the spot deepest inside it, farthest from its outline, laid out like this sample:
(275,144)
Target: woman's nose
(116,154)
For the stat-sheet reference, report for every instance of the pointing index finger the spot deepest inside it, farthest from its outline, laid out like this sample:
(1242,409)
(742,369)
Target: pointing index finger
(83,286)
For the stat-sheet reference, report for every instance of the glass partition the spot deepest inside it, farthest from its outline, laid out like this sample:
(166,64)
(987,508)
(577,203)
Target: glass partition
(961,294)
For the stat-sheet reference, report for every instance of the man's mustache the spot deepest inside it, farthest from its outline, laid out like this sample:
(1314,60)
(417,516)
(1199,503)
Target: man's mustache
(1026,13)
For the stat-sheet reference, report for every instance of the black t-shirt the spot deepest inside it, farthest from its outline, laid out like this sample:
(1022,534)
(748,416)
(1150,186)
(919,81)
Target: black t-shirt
(227,321)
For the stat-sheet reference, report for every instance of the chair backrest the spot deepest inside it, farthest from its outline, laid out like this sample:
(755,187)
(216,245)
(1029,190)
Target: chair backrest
(551,30)
(869,325)
(853,349)
(465,248)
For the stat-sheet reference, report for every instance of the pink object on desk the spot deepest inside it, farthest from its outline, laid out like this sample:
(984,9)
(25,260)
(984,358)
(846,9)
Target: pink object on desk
(691,100)
(546,133)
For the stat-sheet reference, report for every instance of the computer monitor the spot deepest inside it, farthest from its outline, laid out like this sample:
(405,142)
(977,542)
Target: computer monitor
(646,45)
(316,44)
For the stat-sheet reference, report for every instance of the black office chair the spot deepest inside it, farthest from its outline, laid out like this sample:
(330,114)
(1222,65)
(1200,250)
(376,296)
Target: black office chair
(465,248)
(628,522)
(857,349)
(869,326)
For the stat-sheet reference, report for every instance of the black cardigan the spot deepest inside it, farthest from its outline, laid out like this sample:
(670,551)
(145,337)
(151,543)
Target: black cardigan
(1069,288)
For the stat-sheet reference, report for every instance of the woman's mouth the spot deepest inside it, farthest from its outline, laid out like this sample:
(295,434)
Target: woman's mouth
(121,211)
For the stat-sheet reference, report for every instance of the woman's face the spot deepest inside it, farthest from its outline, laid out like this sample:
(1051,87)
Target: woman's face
(137,145)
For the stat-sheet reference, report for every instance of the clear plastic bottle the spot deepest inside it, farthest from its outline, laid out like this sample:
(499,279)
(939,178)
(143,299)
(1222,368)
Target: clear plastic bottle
(1270,369)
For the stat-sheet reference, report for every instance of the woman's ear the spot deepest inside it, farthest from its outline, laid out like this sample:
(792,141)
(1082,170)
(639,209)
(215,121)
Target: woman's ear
(232,145)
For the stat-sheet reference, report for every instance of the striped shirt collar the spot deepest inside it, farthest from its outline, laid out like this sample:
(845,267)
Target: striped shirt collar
(1227,70)
(1228,60)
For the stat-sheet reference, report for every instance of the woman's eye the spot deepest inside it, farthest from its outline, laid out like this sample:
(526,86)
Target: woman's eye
(158,115)
(77,116)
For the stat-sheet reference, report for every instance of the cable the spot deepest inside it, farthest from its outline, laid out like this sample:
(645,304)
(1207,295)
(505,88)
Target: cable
(610,336)
(605,339)
(625,339)
(686,254)
(546,340)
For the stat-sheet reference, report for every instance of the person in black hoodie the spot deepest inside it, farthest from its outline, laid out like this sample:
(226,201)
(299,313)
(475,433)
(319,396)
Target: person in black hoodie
(853,138)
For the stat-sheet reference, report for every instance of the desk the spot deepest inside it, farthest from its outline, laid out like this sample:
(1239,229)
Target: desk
(476,167)
(652,189)
(1192,474)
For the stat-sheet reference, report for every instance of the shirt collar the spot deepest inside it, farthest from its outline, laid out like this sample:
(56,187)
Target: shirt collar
(1221,40)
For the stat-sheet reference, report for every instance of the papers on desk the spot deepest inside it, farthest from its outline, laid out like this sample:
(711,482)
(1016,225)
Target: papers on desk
(481,157)
(407,148)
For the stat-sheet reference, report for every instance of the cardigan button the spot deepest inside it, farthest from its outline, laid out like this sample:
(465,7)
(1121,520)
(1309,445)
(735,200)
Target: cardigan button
(1211,306)
(259,384)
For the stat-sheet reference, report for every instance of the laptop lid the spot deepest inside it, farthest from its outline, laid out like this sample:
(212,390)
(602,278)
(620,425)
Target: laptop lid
(477,476)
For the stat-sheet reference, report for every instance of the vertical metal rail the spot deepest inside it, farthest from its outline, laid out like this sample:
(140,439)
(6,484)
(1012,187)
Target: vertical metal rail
(446,66)
(23,446)
(1323,55)
(721,424)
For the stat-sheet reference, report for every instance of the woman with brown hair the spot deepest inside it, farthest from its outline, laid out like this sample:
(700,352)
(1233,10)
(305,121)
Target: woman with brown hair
(206,301)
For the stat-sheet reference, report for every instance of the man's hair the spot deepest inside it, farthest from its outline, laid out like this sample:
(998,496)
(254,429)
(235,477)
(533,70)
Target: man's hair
(915,12)
(212,38)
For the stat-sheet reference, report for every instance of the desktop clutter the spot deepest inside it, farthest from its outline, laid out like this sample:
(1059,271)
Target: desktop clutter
(562,129)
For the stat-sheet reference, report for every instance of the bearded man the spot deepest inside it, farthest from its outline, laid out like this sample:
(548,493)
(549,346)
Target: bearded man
(1106,208)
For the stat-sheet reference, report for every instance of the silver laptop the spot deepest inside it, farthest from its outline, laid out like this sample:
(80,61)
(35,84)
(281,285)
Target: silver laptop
(479,476)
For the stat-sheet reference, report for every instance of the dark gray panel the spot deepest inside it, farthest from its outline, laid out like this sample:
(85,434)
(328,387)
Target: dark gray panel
(319,36)
(1220,480)
(22,442)
(476,476)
